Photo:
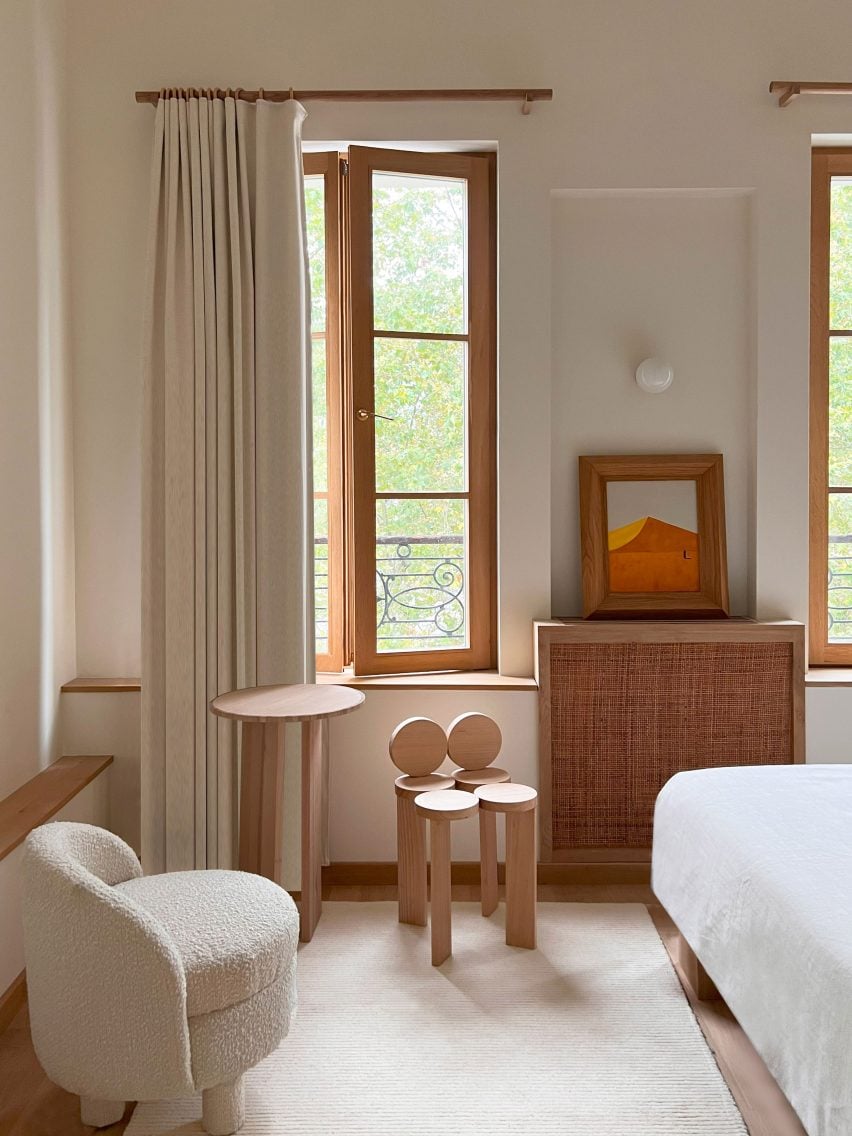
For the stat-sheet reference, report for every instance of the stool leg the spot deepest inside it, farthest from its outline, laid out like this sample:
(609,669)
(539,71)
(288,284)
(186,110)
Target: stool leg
(442,935)
(411,863)
(488,861)
(521,879)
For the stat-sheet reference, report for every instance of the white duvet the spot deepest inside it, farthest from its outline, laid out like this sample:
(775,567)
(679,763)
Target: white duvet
(754,865)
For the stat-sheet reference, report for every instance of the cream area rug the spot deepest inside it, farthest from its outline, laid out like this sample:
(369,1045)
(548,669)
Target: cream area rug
(590,1035)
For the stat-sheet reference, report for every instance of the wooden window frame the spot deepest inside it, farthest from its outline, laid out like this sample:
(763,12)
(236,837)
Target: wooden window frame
(479,172)
(328,166)
(825,164)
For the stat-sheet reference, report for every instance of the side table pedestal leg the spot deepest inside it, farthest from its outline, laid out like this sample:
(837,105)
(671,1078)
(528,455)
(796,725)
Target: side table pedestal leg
(311,905)
(261,791)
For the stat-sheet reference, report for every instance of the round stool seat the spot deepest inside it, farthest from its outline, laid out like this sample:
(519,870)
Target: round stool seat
(471,779)
(446,804)
(506,798)
(414,786)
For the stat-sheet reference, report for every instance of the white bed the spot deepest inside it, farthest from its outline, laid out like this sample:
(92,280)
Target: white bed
(754,865)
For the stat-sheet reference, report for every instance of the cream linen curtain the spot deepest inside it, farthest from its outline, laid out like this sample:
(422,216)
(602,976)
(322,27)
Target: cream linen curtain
(227,522)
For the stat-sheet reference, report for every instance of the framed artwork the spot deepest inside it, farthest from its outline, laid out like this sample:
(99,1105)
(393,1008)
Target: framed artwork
(652,536)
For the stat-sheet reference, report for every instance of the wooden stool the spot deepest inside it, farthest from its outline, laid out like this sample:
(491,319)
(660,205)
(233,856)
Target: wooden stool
(473,742)
(518,802)
(440,809)
(417,747)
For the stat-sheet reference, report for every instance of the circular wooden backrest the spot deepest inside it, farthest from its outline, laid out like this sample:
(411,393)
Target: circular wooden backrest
(473,740)
(418,746)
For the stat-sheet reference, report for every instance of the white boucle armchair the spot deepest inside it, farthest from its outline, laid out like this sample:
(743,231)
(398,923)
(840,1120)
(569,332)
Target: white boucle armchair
(152,987)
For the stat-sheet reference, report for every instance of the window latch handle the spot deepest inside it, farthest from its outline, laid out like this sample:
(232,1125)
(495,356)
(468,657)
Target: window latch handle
(363,415)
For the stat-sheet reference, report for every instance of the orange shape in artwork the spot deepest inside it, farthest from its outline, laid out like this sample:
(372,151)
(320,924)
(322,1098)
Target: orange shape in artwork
(650,555)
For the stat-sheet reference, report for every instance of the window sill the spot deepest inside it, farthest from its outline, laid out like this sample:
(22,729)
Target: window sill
(823,677)
(441,680)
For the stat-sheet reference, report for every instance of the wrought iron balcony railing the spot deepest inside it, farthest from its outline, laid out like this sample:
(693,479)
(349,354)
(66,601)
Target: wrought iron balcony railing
(840,589)
(420,592)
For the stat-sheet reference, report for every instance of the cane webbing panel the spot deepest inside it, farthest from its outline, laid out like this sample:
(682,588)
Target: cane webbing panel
(626,716)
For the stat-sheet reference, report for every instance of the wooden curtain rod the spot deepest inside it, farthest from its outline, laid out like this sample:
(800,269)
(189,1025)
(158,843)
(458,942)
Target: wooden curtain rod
(787,90)
(525,95)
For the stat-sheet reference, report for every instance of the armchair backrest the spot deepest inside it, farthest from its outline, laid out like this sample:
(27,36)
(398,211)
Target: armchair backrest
(106,986)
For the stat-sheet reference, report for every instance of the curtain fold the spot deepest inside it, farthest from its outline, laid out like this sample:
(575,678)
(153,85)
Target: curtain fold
(227,493)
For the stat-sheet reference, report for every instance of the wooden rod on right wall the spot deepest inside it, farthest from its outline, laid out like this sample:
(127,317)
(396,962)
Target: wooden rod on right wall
(788,89)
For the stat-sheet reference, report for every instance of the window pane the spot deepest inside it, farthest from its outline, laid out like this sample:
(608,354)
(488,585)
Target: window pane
(315,223)
(320,415)
(840,412)
(321,574)
(421,567)
(840,271)
(840,567)
(419,253)
(420,384)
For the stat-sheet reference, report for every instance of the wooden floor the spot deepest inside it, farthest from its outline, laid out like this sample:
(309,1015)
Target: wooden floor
(31,1106)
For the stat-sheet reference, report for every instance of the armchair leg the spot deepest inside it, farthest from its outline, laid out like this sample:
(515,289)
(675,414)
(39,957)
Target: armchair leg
(223,1108)
(100,1113)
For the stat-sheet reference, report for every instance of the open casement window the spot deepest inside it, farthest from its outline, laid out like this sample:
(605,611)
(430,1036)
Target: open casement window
(830,631)
(323,217)
(402,260)
(422,324)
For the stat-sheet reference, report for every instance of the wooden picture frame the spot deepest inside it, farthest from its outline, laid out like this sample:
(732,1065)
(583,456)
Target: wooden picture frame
(600,601)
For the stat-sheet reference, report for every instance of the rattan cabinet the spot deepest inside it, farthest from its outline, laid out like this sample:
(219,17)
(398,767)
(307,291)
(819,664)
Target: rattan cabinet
(624,705)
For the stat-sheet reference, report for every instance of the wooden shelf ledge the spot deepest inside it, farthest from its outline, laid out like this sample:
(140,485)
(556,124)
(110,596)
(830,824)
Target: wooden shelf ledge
(101,686)
(44,795)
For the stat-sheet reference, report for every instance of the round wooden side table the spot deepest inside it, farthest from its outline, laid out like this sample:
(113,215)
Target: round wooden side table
(263,712)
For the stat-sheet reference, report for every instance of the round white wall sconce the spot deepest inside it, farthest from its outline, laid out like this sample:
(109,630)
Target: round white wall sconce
(654,376)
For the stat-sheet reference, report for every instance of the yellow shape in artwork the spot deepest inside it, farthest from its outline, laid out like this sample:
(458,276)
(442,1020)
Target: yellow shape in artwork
(622,536)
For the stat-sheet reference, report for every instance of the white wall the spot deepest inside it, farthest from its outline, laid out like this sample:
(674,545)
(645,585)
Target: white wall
(645,273)
(646,97)
(95,723)
(828,718)
(37,610)
(654,95)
